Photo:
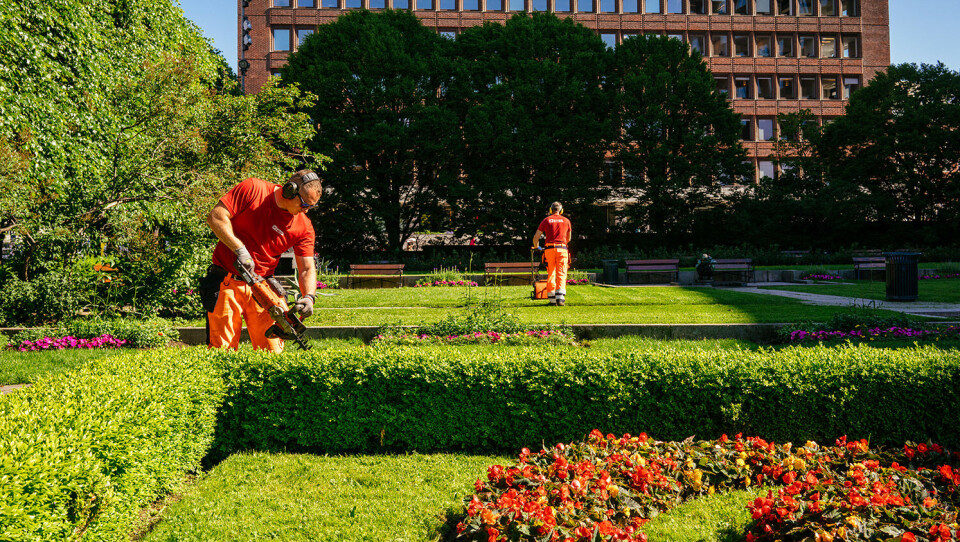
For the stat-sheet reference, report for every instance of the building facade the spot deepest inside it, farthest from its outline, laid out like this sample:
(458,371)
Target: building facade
(768,56)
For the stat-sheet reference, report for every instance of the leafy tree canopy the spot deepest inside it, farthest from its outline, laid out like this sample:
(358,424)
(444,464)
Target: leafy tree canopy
(680,140)
(895,155)
(377,78)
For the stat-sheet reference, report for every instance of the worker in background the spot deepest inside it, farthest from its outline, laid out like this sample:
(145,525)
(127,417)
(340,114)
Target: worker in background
(557,229)
(256,222)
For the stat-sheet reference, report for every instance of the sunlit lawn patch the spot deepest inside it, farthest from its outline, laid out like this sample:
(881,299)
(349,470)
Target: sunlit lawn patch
(256,496)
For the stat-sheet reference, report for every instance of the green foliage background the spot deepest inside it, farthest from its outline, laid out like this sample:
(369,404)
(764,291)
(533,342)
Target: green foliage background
(119,128)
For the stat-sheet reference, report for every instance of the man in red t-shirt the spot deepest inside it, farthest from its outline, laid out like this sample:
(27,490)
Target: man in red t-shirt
(256,222)
(557,229)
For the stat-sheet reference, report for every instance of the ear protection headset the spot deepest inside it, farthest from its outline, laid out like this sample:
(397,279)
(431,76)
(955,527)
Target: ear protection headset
(291,188)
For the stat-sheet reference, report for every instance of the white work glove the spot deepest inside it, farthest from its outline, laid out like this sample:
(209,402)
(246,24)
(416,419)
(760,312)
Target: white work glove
(304,306)
(244,259)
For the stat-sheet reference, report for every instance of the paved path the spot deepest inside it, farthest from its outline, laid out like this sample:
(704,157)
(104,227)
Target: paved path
(12,387)
(921,308)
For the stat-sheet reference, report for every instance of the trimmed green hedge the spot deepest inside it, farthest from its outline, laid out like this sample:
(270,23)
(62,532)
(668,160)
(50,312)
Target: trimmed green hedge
(425,399)
(82,452)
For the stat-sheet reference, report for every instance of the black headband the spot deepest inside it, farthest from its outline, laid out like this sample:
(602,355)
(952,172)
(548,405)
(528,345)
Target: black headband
(308,177)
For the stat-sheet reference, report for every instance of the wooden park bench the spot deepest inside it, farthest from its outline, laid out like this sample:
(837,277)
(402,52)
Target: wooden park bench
(650,269)
(797,254)
(507,273)
(384,273)
(730,270)
(868,264)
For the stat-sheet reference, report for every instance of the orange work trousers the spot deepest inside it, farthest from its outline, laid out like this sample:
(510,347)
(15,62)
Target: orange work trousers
(558,259)
(236,303)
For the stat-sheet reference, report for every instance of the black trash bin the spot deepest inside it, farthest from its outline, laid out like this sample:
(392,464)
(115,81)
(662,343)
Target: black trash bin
(611,271)
(903,279)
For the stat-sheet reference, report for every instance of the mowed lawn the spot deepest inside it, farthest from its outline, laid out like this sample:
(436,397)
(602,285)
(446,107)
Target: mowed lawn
(933,290)
(585,305)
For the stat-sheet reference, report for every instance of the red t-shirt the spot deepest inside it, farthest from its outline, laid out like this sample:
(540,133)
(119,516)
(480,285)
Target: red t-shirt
(264,228)
(557,229)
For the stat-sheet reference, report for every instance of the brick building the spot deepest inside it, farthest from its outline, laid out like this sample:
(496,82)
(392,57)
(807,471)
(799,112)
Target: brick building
(769,56)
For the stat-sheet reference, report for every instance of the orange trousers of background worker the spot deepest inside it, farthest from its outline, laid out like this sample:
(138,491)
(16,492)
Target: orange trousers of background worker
(558,259)
(234,303)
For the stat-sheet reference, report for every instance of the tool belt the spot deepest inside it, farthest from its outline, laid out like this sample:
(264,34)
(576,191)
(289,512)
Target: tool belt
(556,246)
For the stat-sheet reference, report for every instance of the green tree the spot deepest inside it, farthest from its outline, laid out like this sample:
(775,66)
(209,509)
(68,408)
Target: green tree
(679,141)
(793,209)
(378,82)
(893,160)
(536,125)
(123,142)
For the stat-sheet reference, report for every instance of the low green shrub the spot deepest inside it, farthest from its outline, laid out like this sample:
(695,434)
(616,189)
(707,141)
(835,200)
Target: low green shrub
(151,333)
(81,452)
(436,398)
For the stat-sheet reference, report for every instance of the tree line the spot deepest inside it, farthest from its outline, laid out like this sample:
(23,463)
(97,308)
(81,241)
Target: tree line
(479,133)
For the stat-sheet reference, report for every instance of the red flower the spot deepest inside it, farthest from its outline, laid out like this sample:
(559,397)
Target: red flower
(909,537)
(493,534)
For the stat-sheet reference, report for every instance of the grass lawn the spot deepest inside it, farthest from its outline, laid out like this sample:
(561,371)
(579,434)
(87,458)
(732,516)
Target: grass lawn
(585,305)
(22,367)
(389,498)
(934,290)
(258,496)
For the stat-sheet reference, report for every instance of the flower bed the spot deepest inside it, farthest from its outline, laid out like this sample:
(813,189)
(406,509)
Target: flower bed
(445,283)
(938,276)
(542,336)
(607,488)
(62,343)
(872,333)
(576,282)
(820,276)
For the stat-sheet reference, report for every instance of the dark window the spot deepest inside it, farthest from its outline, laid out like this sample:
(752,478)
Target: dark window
(698,7)
(828,84)
(764,47)
(808,88)
(741,45)
(808,46)
(765,87)
(723,85)
(785,45)
(698,43)
(742,7)
(718,7)
(788,90)
(741,87)
(848,8)
(746,130)
(719,45)
(804,7)
(784,7)
(828,8)
(851,46)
